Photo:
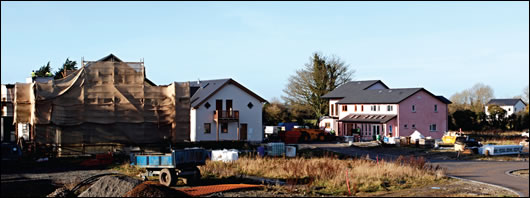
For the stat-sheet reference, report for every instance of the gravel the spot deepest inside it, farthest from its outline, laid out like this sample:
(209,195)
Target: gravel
(111,186)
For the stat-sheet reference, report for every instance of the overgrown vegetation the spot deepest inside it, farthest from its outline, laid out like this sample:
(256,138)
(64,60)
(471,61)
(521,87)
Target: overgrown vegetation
(331,175)
(467,111)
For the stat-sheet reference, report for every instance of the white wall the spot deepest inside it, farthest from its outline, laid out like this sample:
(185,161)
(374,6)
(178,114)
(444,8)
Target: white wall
(240,99)
(519,106)
(332,104)
(332,124)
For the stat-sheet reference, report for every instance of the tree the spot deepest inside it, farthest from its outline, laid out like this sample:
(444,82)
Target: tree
(480,95)
(275,112)
(497,117)
(41,72)
(68,65)
(320,76)
(465,119)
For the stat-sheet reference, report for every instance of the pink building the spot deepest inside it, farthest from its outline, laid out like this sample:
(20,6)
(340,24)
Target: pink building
(370,108)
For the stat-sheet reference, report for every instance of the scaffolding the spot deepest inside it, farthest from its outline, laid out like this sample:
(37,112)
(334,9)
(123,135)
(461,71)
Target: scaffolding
(106,101)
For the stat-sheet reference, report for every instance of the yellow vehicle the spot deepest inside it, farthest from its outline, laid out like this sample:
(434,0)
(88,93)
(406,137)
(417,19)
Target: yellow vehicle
(450,137)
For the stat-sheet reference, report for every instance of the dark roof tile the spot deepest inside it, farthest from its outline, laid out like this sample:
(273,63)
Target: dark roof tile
(510,101)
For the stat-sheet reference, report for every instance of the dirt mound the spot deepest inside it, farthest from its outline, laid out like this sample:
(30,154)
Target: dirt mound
(111,186)
(60,192)
(154,189)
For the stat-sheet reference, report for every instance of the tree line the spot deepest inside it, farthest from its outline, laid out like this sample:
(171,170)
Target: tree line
(468,112)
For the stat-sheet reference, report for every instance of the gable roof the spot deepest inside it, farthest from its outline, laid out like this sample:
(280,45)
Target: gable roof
(344,90)
(379,96)
(510,101)
(113,58)
(444,99)
(204,89)
(358,92)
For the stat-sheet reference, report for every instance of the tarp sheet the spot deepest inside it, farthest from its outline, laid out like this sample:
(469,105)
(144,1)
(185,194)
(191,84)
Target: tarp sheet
(104,101)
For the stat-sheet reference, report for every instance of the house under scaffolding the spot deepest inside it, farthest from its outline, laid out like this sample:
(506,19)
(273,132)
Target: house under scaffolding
(105,102)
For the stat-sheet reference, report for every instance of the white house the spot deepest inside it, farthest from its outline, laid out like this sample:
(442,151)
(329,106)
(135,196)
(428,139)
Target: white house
(223,109)
(511,106)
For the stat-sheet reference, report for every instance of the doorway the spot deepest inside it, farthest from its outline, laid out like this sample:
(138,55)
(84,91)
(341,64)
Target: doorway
(229,109)
(243,132)
(219,108)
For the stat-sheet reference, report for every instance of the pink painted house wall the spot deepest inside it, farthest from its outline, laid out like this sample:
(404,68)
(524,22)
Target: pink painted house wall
(394,125)
(424,115)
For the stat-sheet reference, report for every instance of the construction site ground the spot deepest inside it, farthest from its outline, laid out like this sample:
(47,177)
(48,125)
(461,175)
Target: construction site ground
(45,177)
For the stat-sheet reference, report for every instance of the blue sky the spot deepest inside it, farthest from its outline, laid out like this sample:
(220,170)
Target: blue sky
(445,47)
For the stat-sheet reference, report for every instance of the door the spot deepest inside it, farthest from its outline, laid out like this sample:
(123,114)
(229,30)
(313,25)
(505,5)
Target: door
(243,132)
(229,109)
(219,108)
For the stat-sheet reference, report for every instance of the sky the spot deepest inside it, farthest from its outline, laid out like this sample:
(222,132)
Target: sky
(444,47)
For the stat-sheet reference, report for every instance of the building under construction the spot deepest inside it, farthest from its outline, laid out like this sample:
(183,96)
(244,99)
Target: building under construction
(105,102)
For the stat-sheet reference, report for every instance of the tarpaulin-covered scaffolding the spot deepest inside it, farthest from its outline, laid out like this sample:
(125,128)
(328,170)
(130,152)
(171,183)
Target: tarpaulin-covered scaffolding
(105,101)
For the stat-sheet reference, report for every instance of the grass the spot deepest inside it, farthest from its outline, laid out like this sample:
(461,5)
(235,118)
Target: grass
(128,169)
(331,175)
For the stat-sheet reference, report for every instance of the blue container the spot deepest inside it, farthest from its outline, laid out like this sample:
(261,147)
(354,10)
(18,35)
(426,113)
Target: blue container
(141,160)
(261,151)
(276,149)
(154,160)
(166,161)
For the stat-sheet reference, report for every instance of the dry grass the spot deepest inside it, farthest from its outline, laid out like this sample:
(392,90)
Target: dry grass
(128,169)
(332,174)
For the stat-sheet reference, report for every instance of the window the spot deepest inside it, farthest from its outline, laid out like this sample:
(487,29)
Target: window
(509,109)
(207,105)
(250,105)
(224,127)
(378,108)
(405,126)
(390,130)
(413,126)
(355,108)
(432,127)
(413,108)
(327,125)
(344,108)
(332,109)
(389,108)
(435,108)
(362,108)
(207,128)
